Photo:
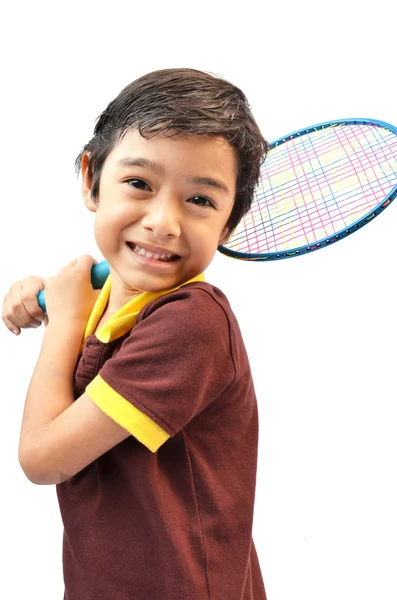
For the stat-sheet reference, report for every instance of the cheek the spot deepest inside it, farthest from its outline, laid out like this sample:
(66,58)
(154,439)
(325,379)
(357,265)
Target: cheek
(107,231)
(102,237)
(114,218)
(205,247)
(207,235)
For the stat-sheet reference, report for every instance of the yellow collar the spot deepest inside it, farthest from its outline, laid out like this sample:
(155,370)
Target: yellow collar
(124,319)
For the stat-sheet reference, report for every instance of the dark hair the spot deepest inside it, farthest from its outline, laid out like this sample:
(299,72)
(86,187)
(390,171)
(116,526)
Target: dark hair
(182,101)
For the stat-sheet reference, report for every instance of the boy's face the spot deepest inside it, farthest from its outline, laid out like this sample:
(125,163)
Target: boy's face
(163,208)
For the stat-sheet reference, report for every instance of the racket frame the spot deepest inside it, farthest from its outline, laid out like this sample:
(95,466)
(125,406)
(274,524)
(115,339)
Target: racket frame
(326,241)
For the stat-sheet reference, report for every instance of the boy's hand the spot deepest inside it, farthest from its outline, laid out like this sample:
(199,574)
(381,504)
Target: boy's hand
(69,295)
(20,306)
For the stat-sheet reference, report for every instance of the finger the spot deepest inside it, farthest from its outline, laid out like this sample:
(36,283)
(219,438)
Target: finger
(30,288)
(4,316)
(85,264)
(87,260)
(13,328)
(8,316)
(15,309)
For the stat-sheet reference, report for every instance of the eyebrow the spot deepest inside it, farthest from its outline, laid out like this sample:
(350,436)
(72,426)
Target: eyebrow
(159,169)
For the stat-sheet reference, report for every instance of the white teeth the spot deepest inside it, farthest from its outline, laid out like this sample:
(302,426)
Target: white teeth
(148,254)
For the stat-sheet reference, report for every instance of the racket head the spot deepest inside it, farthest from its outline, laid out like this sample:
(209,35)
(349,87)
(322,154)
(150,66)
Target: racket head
(317,186)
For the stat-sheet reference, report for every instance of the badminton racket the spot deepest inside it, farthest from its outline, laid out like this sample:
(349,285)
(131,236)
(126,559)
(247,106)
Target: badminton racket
(317,186)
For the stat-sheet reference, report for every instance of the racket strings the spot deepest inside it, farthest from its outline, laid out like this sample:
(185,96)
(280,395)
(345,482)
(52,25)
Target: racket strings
(315,185)
(338,176)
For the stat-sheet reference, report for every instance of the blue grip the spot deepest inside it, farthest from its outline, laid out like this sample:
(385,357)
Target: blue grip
(99,274)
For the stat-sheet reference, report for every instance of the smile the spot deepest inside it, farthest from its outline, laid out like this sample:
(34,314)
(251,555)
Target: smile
(163,256)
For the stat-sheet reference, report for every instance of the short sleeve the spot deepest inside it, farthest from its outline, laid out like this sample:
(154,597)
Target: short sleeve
(176,362)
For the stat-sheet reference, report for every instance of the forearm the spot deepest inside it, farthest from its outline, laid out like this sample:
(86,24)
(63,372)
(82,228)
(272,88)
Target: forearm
(51,387)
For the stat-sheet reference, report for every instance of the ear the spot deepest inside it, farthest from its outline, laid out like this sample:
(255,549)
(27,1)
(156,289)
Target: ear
(86,183)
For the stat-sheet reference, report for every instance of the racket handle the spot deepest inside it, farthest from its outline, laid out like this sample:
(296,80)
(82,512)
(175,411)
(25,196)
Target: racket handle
(99,274)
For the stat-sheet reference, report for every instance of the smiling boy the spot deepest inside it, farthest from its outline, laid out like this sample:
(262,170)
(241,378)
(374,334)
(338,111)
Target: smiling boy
(141,408)
(151,239)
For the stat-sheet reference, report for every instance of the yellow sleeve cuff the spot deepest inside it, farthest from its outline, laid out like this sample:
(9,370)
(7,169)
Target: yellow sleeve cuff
(126,414)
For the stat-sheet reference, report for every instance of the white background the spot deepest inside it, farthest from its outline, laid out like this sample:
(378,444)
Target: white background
(320,330)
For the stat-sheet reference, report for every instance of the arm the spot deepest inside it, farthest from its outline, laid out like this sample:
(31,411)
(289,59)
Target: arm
(60,436)
(50,391)
(165,393)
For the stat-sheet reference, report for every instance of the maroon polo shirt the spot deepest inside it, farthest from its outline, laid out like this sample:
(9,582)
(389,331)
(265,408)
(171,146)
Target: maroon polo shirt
(167,514)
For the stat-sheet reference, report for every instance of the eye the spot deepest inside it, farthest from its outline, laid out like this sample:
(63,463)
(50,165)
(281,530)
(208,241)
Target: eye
(138,184)
(202,201)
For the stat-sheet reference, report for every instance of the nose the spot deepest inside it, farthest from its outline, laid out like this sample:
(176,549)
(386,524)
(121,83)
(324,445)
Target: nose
(162,218)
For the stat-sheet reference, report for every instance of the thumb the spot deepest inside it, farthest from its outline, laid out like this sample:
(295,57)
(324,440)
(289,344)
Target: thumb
(86,260)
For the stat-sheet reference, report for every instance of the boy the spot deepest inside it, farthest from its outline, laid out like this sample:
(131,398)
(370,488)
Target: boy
(141,408)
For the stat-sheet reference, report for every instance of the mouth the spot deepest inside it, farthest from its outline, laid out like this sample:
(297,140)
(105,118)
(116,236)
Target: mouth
(158,255)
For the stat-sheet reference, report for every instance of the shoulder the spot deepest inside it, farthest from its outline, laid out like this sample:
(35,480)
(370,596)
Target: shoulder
(197,304)
(195,318)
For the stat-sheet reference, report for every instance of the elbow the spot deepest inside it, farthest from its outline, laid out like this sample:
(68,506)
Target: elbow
(34,470)
(37,478)
(30,466)
(29,473)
